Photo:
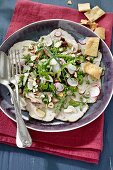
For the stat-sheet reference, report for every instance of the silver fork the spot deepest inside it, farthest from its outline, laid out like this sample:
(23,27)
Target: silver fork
(23,138)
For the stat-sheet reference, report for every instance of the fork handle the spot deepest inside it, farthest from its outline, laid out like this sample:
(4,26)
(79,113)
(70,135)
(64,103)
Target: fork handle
(23,138)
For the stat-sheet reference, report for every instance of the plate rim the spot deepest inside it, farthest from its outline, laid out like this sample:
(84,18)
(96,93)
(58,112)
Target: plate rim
(71,128)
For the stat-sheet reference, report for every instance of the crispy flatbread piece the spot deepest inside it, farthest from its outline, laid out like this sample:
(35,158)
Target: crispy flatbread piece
(93,70)
(91,47)
(100,31)
(84,7)
(87,23)
(94,13)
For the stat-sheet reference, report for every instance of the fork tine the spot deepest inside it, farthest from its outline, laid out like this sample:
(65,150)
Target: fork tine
(16,62)
(11,63)
(9,66)
(19,65)
(22,134)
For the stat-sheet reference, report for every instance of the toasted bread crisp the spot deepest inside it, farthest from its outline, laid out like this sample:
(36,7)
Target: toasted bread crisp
(91,47)
(87,23)
(84,7)
(93,25)
(100,31)
(94,13)
(84,22)
(93,70)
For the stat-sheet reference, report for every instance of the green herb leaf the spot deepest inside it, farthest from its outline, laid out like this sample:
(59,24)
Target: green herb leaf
(20,83)
(60,104)
(80,59)
(70,90)
(74,103)
(80,76)
(43,87)
(27,58)
(45,99)
(51,87)
(91,59)
(26,90)
(54,50)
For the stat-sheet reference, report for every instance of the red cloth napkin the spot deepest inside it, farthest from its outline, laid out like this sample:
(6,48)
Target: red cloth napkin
(82,144)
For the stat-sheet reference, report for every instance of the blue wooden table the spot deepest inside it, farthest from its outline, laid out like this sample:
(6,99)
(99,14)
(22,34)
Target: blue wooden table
(20,159)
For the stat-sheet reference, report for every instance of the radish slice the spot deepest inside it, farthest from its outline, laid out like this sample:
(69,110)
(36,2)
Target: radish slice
(55,65)
(94,91)
(83,87)
(56,68)
(53,62)
(59,87)
(71,68)
(43,79)
(58,33)
(46,40)
(62,61)
(72,82)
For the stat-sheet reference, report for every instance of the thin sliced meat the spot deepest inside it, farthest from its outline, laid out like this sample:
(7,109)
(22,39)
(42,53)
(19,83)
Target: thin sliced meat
(73,116)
